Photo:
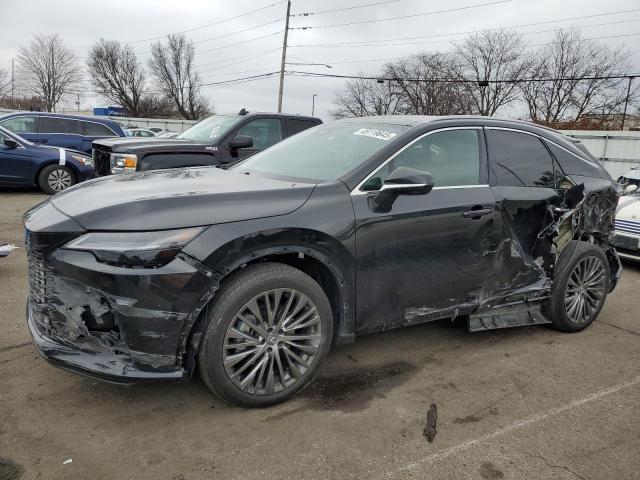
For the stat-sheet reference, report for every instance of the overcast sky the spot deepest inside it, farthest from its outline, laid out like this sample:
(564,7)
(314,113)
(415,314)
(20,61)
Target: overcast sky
(81,23)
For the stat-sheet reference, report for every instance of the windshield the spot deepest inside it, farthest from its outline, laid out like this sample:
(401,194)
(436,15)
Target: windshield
(323,153)
(212,128)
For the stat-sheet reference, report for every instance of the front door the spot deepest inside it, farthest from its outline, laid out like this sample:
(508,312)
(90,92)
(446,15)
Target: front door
(264,132)
(425,258)
(15,164)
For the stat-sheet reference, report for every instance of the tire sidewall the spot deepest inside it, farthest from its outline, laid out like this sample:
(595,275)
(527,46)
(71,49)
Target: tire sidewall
(577,251)
(222,315)
(43,178)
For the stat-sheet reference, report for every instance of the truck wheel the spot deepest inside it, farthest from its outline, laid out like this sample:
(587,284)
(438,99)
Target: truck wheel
(269,328)
(55,178)
(580,286)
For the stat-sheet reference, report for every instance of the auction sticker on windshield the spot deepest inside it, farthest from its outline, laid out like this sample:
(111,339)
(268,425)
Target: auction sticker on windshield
(381,134)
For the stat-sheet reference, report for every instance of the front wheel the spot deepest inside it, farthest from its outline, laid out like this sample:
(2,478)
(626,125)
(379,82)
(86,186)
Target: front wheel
(580,286)
(55,178)
(269,329)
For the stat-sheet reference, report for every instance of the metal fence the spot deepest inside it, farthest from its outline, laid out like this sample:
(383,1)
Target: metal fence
(617,151)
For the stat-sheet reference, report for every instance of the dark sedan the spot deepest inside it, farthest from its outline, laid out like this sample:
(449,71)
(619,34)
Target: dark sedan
(52,169)
(348,228)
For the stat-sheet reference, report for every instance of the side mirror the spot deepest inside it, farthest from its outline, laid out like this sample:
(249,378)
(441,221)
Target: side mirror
(629,189)
(11,143)
(241,141)
(402,181)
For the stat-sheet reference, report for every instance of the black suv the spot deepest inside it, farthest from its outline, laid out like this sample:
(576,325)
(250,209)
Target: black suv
(348,228)
(216,140)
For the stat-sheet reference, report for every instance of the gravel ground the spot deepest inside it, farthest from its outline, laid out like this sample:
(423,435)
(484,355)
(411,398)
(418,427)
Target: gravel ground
(526,403)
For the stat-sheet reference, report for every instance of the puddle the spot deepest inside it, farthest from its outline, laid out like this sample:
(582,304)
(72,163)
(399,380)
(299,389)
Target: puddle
(351,390)
(10,470)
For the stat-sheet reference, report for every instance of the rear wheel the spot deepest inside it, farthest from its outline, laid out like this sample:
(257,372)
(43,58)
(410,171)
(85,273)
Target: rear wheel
(581,284)
(55,178)
(269,329)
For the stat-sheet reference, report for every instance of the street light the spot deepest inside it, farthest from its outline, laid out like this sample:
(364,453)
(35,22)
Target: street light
(313,103)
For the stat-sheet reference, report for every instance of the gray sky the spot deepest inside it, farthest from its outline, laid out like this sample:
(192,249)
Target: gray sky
(81,23)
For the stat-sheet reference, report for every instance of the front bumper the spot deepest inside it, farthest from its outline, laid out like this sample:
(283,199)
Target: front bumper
(104,366)
(627,245)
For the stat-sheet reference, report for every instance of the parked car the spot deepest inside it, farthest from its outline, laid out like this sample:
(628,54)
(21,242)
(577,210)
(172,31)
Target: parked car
(628,216)
(67,131)
(216,140)
(50,168)
(347,228)
(140,132)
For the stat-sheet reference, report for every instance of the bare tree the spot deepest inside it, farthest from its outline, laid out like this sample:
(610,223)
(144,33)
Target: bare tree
(575,83)
(494,55)
(48,69)
(172,66)
(117,75)
(5,84)
(414,77)
(363,97)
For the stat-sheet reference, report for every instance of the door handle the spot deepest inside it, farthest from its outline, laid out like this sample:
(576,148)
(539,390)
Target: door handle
(477,212)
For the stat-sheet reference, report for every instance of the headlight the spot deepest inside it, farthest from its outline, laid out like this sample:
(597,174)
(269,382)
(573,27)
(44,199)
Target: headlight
(86,161)
(123,162)
(135,249)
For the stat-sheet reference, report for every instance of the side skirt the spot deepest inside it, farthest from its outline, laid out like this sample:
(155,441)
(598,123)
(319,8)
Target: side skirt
(506,317)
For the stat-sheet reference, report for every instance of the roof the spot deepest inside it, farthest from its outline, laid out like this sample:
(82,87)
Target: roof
(414,120)
(61,115)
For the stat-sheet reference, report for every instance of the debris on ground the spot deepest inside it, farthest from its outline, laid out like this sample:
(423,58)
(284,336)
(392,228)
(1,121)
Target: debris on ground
(67,461)
(5,248)
(430,429)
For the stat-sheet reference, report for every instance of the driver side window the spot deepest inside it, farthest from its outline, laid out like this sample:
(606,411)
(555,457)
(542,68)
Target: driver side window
(452,157)
(264,131)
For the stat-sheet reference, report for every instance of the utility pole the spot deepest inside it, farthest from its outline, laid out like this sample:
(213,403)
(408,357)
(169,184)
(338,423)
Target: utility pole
(626,102)
(284,56)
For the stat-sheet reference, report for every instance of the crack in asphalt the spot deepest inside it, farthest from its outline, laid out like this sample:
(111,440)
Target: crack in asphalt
(619,328)
(562,467)
(13,347)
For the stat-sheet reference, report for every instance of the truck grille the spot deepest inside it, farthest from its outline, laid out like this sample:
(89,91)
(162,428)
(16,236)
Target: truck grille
(102,161)
(628,226)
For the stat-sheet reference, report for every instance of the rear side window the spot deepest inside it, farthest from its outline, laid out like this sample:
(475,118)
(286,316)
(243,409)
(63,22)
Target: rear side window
(295,125)
(91,129)
(574,165)
(20,124)
(59,125)
(519,160)
(264,131)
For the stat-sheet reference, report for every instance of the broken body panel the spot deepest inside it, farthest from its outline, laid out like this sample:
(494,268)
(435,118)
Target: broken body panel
(427,258)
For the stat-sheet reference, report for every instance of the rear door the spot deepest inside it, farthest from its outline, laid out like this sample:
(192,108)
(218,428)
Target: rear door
(24,125)
(425,258)
(60,132)
(16,165)
(94,131)
(297,125)
(524,180)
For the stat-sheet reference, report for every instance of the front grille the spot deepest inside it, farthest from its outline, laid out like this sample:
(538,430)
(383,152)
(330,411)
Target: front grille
(629,226)
(102,161)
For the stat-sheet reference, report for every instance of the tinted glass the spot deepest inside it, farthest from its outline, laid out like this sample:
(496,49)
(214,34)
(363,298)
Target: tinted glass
(210,129)
(58,125)
(451,156)
(296,126)
(323,153)
(572,164)
(264,131)
(519,160)
(20,124)
(91,129)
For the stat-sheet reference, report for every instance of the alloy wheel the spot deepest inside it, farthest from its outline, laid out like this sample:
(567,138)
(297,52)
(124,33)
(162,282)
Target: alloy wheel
(59,180)
(272,341)
(585,290)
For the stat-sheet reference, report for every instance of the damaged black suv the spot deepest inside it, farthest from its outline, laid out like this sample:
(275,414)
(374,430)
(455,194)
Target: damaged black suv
(357,226)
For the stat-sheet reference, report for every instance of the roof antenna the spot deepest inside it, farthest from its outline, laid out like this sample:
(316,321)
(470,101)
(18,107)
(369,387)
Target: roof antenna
(244,111)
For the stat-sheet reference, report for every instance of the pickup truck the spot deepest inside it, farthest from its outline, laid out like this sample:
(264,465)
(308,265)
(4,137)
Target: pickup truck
(218,140)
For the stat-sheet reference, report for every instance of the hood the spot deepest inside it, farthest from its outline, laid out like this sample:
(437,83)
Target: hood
(166,199)
(131,144)
(629,208)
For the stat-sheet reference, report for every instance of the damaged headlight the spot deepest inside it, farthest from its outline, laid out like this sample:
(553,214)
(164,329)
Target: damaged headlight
(123,162)
(135,249)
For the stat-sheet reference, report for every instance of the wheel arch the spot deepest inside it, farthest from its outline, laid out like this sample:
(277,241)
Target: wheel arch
(42,165)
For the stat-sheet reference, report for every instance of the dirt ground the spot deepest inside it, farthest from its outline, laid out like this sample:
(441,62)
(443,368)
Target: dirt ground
(526,403)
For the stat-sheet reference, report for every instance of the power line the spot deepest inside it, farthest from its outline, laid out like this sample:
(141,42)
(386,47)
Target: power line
(478,5)
(240,43)
(378,42)
(320,12)
(239,59)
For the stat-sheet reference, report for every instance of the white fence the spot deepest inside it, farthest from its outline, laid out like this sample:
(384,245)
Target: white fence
(173,125)
(617,151)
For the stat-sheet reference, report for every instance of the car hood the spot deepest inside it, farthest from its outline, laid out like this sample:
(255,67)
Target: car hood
(166,199)
(131,145)
(629,208)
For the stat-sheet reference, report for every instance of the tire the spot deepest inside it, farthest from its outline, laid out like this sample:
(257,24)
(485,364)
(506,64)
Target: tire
(55,178)
(580,287)
(227,370)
